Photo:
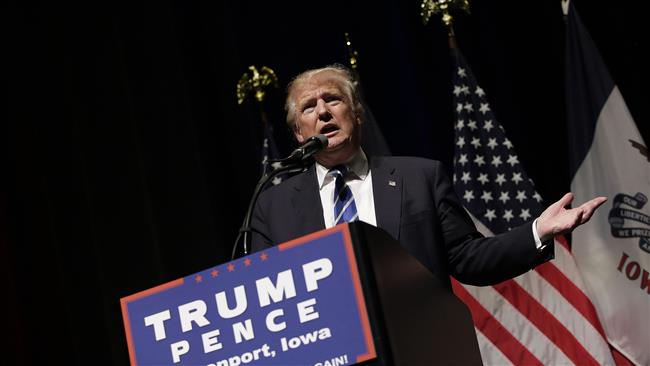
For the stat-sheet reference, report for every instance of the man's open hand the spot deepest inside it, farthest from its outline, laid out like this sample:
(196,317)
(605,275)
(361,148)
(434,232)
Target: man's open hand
(556,219)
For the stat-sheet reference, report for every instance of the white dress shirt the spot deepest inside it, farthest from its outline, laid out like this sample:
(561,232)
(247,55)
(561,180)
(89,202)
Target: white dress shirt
(359,179)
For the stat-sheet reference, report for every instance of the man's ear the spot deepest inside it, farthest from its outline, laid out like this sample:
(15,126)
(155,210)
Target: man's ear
(297,134)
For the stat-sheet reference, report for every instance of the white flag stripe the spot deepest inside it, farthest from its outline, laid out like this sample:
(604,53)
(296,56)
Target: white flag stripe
(518,325)
(567,264)
(493,356)
(566,314)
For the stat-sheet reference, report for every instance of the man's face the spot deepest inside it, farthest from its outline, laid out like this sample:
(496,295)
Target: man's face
(323,108)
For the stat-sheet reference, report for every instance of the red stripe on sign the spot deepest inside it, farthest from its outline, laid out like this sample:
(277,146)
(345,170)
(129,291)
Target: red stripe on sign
(572,293)
(499,336)
(545,322)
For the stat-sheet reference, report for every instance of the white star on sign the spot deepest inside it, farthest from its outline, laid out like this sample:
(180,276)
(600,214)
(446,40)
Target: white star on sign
(459,107)
(516,177)
(472,125)
(465,89)
(468,107)
(456,90)
(482,177)
(460,124)
(461,72)
(469,195)
(485,107)
(479,91)
(537,197)
(525,214)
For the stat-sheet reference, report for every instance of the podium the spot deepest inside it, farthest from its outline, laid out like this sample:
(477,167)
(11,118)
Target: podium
(345,295)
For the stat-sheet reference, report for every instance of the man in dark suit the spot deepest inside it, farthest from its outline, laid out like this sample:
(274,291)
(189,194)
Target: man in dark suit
(410,198)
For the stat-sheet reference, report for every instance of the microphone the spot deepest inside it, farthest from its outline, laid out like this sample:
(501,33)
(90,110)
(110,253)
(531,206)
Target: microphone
(312,146)
(296,162)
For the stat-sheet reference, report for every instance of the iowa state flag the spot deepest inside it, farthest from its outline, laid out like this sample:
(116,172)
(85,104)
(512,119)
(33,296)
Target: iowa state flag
(609,158)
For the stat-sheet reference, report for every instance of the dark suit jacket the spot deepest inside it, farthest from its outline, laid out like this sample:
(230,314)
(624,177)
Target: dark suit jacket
(416,204)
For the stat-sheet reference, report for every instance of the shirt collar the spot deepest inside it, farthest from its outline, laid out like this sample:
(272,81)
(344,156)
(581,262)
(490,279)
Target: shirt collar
(358,165)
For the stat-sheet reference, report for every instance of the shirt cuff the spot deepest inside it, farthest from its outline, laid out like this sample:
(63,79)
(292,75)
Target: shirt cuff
(538,242)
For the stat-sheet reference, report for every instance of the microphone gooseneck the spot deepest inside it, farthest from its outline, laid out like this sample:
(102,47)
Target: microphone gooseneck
(299,160)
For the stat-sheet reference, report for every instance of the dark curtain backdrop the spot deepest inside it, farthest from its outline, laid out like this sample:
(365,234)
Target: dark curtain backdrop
(129,162)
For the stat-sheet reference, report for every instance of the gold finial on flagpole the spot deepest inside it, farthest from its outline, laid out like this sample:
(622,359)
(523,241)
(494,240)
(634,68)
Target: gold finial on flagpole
(354,56)
(430,7)
(255,83)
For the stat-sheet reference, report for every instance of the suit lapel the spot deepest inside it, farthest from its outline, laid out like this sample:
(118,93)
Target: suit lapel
(387,192)
(306,202)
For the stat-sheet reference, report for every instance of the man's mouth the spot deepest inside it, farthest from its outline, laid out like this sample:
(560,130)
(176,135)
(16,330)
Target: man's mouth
(329,130)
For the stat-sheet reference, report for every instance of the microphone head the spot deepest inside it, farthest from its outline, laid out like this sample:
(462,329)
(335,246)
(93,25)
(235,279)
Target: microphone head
(321,139)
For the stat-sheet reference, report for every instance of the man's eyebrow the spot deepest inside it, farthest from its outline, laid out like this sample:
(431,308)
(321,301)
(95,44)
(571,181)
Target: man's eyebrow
(324,94)
(306,100)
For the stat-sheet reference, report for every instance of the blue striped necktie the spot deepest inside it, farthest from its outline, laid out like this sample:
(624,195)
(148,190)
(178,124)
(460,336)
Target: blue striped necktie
(345,210)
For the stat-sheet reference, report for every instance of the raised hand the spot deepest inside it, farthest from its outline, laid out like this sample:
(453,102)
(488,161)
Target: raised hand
(556,219)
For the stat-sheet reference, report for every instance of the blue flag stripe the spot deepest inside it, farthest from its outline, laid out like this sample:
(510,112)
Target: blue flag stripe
(588,85)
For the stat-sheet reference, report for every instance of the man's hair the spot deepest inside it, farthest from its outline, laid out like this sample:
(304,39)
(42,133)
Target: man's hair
(348,85)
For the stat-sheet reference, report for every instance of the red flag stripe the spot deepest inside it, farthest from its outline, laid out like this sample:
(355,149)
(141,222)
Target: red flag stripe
(490,354)
(571,293)
(562,240)
(565,262)
(500,337)
(566,314)
(545,322)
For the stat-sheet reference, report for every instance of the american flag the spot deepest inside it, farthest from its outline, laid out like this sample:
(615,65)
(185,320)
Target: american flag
(270,152)
(542,317)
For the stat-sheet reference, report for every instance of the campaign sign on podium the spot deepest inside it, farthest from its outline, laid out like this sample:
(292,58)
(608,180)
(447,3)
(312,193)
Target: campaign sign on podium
(298,303)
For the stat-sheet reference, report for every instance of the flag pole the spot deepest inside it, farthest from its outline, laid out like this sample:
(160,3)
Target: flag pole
(372,139)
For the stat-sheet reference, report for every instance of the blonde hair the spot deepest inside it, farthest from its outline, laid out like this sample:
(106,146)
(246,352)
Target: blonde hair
(348,85)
